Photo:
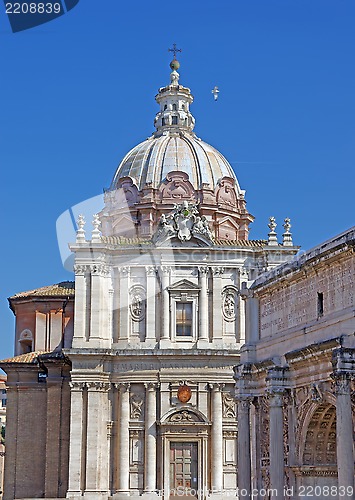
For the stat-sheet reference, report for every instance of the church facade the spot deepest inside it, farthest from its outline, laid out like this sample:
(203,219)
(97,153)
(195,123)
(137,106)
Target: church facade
(123,384)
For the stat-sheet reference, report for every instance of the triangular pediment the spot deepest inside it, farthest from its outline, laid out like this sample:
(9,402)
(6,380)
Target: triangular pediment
(183,285)
(228,221)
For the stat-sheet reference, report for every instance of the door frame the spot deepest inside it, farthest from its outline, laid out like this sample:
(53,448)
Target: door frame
(201,464)
(195,430)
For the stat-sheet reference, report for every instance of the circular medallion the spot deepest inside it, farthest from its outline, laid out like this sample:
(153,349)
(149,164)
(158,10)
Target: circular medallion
(184,393)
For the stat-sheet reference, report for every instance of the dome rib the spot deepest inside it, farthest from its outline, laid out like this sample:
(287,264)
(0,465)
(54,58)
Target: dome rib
(151,160)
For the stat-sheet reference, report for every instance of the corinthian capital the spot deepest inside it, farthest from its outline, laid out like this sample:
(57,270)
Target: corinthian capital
(217,271)
(80,269)
(124,272)
(342,383)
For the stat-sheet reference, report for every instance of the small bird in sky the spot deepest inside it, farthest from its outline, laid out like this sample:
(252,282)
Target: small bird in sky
(215,93)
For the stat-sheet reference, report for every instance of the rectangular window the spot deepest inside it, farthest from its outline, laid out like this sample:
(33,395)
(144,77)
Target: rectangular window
(183,319)
(175,120)
(320,305)
(3,402)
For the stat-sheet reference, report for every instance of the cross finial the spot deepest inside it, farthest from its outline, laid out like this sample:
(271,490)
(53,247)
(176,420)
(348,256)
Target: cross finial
(174,50)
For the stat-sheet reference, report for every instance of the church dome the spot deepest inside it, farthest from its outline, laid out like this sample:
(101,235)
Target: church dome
(174,146)
(174,167)
(149,162)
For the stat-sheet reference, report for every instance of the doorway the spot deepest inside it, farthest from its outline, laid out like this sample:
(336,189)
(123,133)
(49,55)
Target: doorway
(183,470)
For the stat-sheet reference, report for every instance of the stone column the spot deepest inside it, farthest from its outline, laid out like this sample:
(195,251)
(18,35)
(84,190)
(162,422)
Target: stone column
(165,273)
(203,304)
(244,457)
(217,439)
(123,439)
(76,448)
(97,474)
(217,304)
(100,305)
(151,299)
(123,332)
(81,305)
(150,458)
(344,426)
(276,443)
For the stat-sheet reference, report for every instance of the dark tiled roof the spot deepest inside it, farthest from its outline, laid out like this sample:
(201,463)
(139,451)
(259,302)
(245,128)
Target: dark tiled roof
(63,289)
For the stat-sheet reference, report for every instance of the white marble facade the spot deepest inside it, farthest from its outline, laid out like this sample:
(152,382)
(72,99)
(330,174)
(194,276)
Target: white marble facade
(128,362)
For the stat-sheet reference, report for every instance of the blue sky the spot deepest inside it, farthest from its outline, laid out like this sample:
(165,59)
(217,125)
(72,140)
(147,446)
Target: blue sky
(78,93)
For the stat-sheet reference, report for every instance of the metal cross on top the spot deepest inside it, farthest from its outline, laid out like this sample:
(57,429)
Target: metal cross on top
(174,50)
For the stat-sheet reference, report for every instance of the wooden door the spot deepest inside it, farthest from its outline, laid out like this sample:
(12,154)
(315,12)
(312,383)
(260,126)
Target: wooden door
(183,470)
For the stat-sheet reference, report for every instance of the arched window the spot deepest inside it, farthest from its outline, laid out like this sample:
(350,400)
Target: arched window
(163,122)
(165,107)
(26,341)
(174,107)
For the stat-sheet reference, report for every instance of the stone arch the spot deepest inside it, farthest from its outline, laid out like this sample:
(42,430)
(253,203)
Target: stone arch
(318,445)
(184,414)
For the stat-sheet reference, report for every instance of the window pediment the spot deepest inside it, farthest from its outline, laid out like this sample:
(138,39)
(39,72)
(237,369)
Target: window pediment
(184,415)
(184,286)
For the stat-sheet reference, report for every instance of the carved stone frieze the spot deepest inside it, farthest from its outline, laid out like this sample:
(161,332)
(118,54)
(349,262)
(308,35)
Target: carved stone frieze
(265,426)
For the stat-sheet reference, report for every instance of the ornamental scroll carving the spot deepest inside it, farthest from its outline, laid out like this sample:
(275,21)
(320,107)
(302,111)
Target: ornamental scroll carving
(95,269)
(265,426)
(136,402)
(137,302)
(228,406)
(183,416)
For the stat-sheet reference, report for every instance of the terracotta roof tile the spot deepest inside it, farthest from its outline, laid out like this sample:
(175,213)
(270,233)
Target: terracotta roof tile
(30,358)
(121,240)
(63,289)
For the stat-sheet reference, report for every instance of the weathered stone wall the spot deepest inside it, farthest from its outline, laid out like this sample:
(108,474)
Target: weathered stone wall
(37,433)
(295,303)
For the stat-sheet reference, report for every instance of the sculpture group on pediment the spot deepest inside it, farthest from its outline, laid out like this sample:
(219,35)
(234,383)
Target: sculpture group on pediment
(183,222)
